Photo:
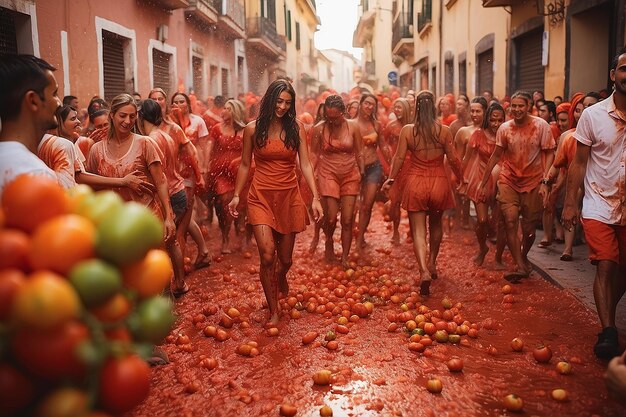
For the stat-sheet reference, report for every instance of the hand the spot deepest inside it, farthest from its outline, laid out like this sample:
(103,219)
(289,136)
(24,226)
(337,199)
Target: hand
(544,192)
(482,193)
(570,217)
(316,208)
(615,378)
(462,188)
(387,185)
(98,134)
(170,230)
(138,185)
(232,206)
(200,183)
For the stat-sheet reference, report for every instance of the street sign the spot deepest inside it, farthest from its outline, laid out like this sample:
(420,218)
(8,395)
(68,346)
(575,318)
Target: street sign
(393,77)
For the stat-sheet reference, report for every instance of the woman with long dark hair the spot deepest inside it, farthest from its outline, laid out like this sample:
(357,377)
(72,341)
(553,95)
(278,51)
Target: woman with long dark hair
(427,190)
(276,210)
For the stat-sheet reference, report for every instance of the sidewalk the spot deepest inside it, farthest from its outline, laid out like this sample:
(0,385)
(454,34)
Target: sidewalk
(576,276)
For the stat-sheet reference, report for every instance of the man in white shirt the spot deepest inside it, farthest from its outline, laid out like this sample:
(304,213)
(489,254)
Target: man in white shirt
(600,161)
(28,102)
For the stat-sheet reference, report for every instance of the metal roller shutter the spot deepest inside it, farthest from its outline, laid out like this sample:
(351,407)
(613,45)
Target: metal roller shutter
(161,70)
(198,81)
(113,65)
(530,72)
(485,71)
(8,37)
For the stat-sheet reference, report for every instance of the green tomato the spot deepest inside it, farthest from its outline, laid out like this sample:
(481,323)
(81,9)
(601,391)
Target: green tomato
(126,234)
(97,206)
(153,320)
(95,281)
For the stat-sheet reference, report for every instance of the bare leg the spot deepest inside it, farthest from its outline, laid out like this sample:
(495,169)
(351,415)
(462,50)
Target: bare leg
(224,219)
(528,238)
(285,251)
(417,219)
(435,235)
(465,212)
(608,289)
(347,208)
(267,272)
(500,239)
(394,213)
(511,221)
(178,284)
(331,208)
(481,227)
(368,194)
(547,220)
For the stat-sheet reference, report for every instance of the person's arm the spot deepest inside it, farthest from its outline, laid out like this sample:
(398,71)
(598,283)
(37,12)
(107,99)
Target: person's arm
(316,138)
(448,148)
(469,154)
(358,146)
(398,159)
(307,173)
(615,378)
(132,181)
(244,167)
(383,143)
(160,181)
(575,176)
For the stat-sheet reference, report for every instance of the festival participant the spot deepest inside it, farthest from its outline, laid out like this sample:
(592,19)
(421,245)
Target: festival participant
(338,145)
(462,114)
(478,107)
(392,135)
(481,145)
(99,119)
(562,116)
(226,143)
(307,195)
(488,95)
(28,104)
(275,208)
(547,111)
(599,161)
(352,111)
(426,190)
(444,111)
(528,149)
(71,101)
(557,100)
(213,115)
(591,98)
(123,152)
(410,96)
(370,130)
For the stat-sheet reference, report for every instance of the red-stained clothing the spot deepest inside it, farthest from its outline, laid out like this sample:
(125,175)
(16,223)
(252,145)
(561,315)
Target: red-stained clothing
(522,163)
(84,144)
(483,147)
(447,121)
(556,132)
(274,198)
(211,119)
(565,154)
(426,186)
(63,157)
(141,154)
(226,149)
(337,170)
(168,152)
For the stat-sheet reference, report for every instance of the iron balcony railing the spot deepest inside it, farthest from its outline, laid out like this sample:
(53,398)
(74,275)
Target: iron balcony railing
(402,29)
(262,27)
(233,9)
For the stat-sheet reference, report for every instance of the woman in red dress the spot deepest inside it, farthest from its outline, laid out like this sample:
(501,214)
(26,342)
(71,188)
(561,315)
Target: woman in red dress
(226,142)
(276,210)
(427,191)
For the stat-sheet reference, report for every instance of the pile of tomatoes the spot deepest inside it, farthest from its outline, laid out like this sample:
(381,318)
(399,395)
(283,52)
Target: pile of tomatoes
(81,275)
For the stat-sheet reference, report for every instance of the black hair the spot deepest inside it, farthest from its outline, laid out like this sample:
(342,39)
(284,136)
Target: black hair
(266,112)
(320,114)
(615,60)
(480,100)
(551,108)
(67,100)
(96,102)
(98,113)
(61,114)
(186,99)
(219,101)
(594,95)
(492,107)
(20,74)
(336,102)
(151,112)
(375,111)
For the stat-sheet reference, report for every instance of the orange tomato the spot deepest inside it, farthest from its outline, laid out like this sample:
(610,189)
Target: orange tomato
(114,310)
(45,300)
(150,275)
(11,281)
(14,247)
(30,200)
(62,242)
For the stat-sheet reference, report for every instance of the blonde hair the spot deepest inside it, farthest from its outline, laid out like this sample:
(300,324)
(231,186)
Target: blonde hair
(425,116)
(406,110)
(117,103)
(237,111)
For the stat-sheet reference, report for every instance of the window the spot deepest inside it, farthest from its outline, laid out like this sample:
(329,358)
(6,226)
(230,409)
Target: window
(463,76)
(449,76)
(161,70)
(240,74)
(268,9)
(225,82)
(213,80)
(297,36)
(433,80)
(8,37)
(117,59)
(18,32)
(288,25)
(198,76)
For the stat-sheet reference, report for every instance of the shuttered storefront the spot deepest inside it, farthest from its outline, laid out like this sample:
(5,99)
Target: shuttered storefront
(530,72)
(161,77)
(198,79)
(113,65)
(485,71)
(8,37)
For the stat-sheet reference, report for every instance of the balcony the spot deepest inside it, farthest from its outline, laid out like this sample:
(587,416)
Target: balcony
(172,4)
(402,37)
(498,3)
(365,29)
(262,36)
(232,18)
(424,23)
(202,11)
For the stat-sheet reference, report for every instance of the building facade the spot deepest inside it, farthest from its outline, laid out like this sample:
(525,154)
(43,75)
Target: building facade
(343,66)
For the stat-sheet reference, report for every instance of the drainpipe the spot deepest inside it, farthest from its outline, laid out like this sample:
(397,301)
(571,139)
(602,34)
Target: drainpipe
(440,64)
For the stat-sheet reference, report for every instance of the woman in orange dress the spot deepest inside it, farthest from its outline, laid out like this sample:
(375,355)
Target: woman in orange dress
(276,210)
(479,148)
(427,191)
(337,143)
(226,142)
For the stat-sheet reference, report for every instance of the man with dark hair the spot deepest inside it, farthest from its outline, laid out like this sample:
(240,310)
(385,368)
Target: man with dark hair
(71,101)
(599,161)
(527,146)
(28,103)
(213,115)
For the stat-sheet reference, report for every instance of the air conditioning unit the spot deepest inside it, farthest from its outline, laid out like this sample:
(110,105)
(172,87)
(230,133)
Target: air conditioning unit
(162,33)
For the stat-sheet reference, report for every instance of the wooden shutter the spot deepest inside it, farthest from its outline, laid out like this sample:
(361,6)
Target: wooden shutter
(113,65)
(8,37)
(449,77)
(198,81)
(161,70)
(485,71)
(530,72)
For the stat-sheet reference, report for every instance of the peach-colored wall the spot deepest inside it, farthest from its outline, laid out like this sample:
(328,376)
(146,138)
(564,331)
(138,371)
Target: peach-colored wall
(77,17)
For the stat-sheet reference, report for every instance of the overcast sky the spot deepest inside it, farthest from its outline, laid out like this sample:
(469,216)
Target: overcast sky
(339,19)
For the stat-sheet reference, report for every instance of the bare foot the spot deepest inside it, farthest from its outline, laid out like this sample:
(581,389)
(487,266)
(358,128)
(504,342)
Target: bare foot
(395,239)
(329,252)
(432,272)
(273,321)
(283,287)
(202,260)
(313,245)
(499,266)
(480,256)
(345,264)
(425,280)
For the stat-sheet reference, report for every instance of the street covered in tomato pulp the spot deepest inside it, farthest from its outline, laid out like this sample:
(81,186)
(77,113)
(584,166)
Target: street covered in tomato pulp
(376,367)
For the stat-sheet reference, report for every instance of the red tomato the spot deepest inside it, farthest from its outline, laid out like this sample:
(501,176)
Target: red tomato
(455,364)
(51,353)
(16,390)
(124,383)
(513,403)
(11,280)
(542,354)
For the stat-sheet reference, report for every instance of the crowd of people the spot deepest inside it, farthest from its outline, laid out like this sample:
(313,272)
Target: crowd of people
(273,164)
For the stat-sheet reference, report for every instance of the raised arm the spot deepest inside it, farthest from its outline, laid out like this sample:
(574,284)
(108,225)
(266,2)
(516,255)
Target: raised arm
(244,167)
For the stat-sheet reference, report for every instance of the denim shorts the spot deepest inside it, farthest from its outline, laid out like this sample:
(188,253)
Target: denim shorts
(373,173)
(179,204)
